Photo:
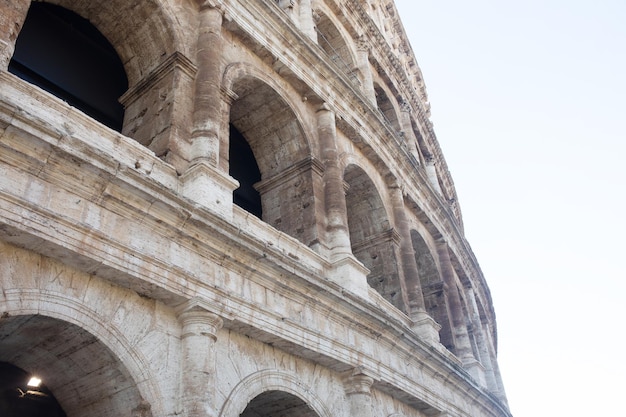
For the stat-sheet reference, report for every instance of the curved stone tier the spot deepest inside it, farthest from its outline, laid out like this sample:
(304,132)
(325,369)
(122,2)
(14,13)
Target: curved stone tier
(269,229)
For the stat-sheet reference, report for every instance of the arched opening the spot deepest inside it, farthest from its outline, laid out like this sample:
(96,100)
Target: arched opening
(23,394)
(243,167)
(373,241)
(386,108)
(67,56)
(84,375)
(278,404)
(433,289)
(266,138)
(335,46)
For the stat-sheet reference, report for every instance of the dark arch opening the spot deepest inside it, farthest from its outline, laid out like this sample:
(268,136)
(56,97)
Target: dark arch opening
(19,399)
(244,168)
(87,378)
(67,56)
(277,403)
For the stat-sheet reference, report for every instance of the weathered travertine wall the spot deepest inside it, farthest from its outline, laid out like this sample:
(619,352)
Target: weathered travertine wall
(135,286)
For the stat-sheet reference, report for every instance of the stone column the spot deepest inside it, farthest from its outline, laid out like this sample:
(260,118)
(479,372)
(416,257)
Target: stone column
(424,325)
(347,270)
(431,173)
(206,180)
(479,336)
(334,195)
(363,65)
(307,25)
(358,388)
(12,16)
(414,297)
(207,100)
(406,127)
(460,335)
(499,392)
(199,334)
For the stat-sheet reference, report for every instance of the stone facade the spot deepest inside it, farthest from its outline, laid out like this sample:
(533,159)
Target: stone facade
(133,281)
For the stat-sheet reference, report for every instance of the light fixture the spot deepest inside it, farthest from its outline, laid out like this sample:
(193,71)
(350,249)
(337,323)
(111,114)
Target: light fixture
(34,382)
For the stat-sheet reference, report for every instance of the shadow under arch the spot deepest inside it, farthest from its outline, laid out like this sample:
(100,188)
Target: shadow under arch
(63,332)
(271,380)
(264,119)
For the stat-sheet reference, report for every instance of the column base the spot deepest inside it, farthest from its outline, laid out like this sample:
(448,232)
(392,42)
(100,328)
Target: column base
(476,370)
(210,188)
(427,328)
(351,275)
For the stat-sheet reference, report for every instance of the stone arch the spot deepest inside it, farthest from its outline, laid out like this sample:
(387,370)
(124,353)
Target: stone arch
(433,288)
(25,394)
(271,380)
(84,376)
(67,56)
(334,43)
(373,240)
(386,107)
(269,122)
(52,319)
(152,49)
(141,33)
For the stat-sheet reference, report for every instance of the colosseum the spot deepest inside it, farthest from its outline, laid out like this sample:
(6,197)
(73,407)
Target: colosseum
(230,208)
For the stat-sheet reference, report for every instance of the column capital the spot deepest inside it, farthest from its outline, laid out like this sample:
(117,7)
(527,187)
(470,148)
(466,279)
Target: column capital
(198,321)
(358,382)
(324,107)
(362,44)
(211,4)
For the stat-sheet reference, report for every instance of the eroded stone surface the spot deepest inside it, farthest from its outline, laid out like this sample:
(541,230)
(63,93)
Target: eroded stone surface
(135,286)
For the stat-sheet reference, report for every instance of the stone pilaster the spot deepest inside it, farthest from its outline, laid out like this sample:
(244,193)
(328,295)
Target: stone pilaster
(207,114)
(431,173)
(424,325)
(500,393)
(414,297)
(307,25)
(199,334)
(206,181)
(347,271)
(460,335)
(363,65)
(407,130)
(334,196)
(358,388)
(479,336)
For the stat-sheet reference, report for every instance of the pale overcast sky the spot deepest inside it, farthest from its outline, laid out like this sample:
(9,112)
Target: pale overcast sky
(528,103)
